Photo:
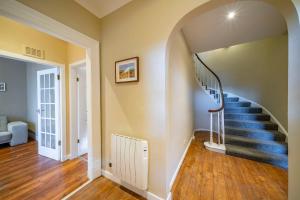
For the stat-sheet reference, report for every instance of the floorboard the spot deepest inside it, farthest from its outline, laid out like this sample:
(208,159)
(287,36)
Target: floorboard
(24,174)
(208,175)
(102,188)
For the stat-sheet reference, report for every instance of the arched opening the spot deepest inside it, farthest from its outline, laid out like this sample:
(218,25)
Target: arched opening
(288,11)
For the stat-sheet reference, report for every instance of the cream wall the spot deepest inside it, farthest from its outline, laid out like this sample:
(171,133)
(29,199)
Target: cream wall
(139,109)
(180,89)
(69,13)
(257,71)
(142,28)
(13,36)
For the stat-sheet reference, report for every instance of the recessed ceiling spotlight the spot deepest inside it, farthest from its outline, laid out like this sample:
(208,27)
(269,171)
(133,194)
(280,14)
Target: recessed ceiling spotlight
(231,15)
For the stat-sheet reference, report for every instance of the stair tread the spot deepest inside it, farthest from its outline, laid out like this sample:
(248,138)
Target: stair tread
(261,114)
(237,101)
(246,107)
(250,121)
(253,140)
(253,129)
(253,152)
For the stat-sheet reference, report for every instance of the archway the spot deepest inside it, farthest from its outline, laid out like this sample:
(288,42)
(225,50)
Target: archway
(288,10)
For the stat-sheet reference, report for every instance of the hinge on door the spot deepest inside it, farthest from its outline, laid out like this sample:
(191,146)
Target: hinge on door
(77,79)
(59,142)
(58,76)
(78,141)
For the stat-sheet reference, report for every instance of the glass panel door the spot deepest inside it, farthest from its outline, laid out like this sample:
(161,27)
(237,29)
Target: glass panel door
(48,118)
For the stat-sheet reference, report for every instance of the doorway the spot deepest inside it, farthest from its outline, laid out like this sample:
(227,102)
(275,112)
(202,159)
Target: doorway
(21,13)
(48,99)
(78,110)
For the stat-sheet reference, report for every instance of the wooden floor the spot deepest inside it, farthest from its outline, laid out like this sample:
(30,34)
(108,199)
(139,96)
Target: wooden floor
(204,175)
(26,175)
(102,188)
(209,175)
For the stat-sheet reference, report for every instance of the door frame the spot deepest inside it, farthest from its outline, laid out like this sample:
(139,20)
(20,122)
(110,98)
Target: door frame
(73,111)
(62,92)
(26,15)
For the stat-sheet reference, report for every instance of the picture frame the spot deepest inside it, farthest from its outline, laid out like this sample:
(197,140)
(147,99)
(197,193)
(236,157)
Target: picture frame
(2,87)
(127,70)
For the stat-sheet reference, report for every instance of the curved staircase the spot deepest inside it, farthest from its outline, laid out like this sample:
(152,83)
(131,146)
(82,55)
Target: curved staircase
(250,133)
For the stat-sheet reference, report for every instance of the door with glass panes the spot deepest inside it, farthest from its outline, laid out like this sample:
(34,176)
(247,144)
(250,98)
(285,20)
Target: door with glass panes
(48,113)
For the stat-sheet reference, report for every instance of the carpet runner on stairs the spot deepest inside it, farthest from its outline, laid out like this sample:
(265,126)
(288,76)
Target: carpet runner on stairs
(249,133)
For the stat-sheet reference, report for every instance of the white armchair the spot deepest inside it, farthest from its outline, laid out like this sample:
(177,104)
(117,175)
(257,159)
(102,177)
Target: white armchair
(13,133)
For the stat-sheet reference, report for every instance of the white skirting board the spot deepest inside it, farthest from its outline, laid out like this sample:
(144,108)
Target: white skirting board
(146,194)
(180,163)
(76,190)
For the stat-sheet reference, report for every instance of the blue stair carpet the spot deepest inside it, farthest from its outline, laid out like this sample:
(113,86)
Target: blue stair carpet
(250,134)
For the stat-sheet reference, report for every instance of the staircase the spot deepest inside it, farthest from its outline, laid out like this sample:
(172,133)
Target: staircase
(249,132)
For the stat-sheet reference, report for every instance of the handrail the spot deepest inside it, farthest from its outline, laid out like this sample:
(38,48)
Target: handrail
(220,86)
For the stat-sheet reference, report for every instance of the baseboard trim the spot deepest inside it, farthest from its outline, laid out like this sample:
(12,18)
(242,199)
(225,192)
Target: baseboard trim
(169,197)
(178,167)
(67,157)
(201,129)
(146,194)
(76,190)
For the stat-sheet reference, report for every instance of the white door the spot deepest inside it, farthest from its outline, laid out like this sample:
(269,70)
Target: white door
(82,112)
(48,113)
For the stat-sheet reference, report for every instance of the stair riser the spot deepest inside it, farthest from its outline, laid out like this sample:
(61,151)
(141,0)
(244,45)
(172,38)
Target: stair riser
(243,110)
(242,124)
(237,104)
(231,99)
(216,95)
(282,164)
(281,149)
(247,117)
(256,135)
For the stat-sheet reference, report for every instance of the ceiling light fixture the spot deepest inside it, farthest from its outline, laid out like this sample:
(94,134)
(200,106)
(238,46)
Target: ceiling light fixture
(231,15)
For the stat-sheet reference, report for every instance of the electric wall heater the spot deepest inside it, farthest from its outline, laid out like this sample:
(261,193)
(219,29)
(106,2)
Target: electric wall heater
(130,160)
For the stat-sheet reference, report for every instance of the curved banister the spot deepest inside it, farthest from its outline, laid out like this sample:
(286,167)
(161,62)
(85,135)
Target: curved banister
(220,86)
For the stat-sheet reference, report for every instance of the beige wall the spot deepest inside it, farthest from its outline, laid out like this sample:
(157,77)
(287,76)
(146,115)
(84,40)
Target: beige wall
(69,13)
(180,101)
(13,36)
(257,71)
(142,28)
(139,109)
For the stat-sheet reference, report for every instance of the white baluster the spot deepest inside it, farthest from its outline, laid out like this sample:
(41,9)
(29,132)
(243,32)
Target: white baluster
(223,127)
(211,129)
(219,132)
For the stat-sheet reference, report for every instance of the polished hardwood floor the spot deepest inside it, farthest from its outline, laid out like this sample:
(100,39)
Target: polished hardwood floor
(204,175)
(207,175)
(102,188)
(26,175)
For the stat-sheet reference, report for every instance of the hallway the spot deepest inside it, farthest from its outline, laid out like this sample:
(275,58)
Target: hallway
(209,175)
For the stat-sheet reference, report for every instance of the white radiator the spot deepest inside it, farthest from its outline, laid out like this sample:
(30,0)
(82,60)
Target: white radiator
(130,160)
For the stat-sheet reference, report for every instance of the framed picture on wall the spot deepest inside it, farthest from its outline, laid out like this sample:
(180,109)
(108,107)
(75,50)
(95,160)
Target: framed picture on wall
(127,70)
(2,87)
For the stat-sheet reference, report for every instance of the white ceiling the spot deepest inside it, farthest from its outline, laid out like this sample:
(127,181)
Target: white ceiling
(100,8)
(254,21)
